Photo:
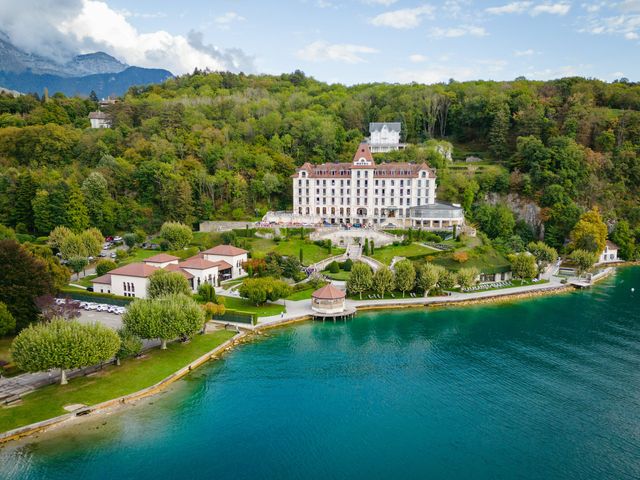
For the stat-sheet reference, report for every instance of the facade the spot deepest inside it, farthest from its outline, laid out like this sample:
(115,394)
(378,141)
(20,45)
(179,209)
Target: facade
(133,280)
(328,300)
(385,137)
(99,120)
(610,253)
(233,256)
(369,193)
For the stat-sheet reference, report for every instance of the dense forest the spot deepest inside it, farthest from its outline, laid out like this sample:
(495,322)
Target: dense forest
(221,145)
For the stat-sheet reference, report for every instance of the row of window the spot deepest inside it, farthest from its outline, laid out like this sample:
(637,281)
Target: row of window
(400,212)
(377,183)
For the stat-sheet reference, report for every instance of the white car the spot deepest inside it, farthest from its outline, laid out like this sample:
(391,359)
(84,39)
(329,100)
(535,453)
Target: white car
(92,306)
(117,239)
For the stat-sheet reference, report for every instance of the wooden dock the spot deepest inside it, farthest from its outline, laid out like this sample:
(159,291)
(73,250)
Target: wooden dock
(347,314)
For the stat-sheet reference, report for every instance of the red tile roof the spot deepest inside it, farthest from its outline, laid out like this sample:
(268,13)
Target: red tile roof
(161,258)
(104,279)
(222,265)
(135,270)
(328,292)
(363,152)
(197,263)
(225,250)
(175,268)
(611,245)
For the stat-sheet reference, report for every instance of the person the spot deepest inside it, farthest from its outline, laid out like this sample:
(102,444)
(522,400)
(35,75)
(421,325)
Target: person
(281,314)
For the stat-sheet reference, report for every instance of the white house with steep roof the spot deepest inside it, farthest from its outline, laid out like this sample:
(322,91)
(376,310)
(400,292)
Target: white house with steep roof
(385,137)
(610,253)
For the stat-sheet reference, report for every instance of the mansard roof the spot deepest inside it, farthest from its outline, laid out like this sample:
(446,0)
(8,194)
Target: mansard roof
(391,126)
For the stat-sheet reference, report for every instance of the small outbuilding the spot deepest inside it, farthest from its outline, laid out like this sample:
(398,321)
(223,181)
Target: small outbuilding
(328,300)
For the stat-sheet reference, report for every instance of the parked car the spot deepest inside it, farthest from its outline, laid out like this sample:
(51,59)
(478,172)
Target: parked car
(117,239)
(113,255)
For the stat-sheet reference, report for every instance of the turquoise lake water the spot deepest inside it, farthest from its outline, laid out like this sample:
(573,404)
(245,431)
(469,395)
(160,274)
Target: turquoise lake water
(537,389)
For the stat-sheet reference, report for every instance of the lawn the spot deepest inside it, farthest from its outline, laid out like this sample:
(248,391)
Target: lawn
(301,295)
(140,254)
(341,275)
(85,281)
(111,382)
(311,253)
(486,260)
(245,306)
(386,254)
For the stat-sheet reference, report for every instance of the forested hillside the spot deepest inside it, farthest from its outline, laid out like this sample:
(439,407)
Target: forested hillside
(222,145)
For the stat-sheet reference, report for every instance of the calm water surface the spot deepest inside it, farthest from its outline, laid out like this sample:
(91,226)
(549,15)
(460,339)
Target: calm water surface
(539,389)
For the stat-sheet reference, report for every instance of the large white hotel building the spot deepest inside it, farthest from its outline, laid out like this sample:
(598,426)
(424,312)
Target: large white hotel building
(366,193)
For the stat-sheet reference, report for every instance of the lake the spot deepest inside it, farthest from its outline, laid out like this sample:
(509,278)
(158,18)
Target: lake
(547,388)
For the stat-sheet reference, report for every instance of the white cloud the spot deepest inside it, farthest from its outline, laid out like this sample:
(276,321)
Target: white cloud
(528,7)
(631,36)
(433,74)
(386,3)
(417,58)
(525,53)
(514,7)
(404,18)
(625,25)
(227,19)
(63,28)
(320,51)
(551,8)
(461,31)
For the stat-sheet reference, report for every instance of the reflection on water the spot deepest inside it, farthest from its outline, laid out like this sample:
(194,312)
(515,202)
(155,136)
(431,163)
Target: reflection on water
(544,388)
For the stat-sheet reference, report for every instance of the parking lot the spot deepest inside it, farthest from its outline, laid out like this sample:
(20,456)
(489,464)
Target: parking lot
(109,319)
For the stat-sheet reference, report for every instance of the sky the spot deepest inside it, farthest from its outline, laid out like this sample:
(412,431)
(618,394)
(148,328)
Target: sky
(345,41)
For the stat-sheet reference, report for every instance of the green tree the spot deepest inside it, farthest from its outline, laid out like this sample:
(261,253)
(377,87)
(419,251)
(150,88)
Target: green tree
(25,193)
(95,189)
(333,267)
(360,280)
(73,246)
(7,233)
(92,242)
(624,238)
(259,290)
(383,280)
(65,345)
(77,264)
(23,278)
(523,265)
(467,277)
(130,345)
(162,283)
(207,293)
(165,318)
(130,239)
(58,235)
(7,322)
(427,276)
(447,280)
(104,266)
(583,260)
(77,214)
(543,253)
(301,255)
(499,133)
(405,276)
(43,222)
(590,233)
(177,234)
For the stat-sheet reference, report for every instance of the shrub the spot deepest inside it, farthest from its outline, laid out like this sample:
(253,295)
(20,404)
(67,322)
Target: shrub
(333,267)
(104,266)
(7,322)
(162,283)
(460,257)
(347,265)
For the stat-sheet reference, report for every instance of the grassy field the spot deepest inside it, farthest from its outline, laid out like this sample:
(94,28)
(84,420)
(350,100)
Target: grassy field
(111,382)
(85,281)
(487,261)
(341,275)
(244,305)
(311,253)
(386,254)
(301,295)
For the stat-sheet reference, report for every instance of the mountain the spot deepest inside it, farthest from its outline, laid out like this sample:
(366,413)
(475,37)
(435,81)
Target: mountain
(99,72)
(104,84)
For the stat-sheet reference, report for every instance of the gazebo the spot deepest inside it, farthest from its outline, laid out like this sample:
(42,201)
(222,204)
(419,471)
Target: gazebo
(328,301)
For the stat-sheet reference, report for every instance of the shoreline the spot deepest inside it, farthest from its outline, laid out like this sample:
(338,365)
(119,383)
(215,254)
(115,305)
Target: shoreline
(496,296)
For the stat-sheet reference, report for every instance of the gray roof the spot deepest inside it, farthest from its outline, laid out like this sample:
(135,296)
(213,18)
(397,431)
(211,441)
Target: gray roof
(377,126)
(437,210)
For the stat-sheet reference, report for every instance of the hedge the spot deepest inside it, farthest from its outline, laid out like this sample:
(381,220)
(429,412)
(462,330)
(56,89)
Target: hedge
(87,296)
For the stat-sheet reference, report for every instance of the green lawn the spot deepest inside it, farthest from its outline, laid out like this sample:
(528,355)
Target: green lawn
(245,306)
(231,283)
(301,295)
(341,275)
(487,261)
(85,281)
(311,253)
(111,382)
(387,295)
(386,254)
(140,254)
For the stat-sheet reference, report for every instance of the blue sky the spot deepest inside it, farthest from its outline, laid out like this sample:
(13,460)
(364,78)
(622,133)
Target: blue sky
(354,41)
